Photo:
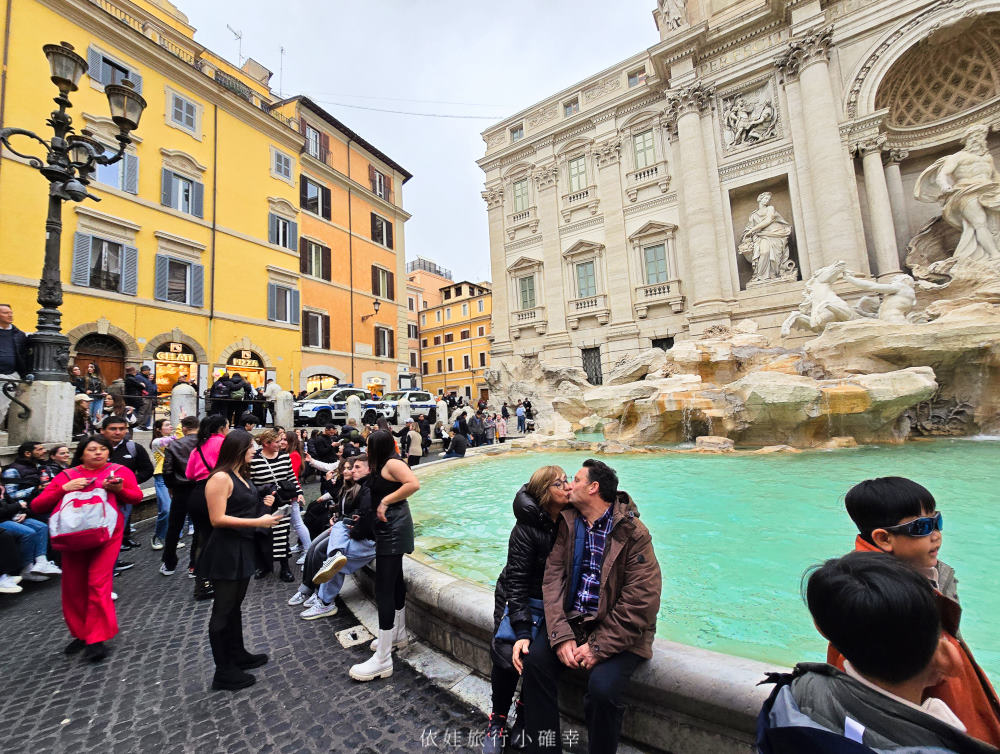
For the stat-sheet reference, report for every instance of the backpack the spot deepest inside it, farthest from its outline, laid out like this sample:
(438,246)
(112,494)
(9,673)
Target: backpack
(238,394)
(220,389)
(83,519)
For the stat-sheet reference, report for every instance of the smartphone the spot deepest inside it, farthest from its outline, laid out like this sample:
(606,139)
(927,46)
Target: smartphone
(282,511)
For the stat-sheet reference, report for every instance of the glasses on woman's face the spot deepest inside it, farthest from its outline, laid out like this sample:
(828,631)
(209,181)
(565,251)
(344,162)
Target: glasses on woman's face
(564,482)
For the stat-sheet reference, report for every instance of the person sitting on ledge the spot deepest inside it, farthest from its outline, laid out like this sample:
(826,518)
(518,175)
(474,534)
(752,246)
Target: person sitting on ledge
(882,616)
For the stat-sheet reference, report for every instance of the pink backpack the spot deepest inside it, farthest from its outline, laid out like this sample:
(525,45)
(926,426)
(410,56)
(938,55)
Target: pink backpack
(84,519)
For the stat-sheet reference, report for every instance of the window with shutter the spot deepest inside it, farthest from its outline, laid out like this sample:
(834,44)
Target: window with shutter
(197,285)
(326,331)
(81,259)
(130,271)
(326,272)
(130,181)
(160,282)
(390,286)
(326,198)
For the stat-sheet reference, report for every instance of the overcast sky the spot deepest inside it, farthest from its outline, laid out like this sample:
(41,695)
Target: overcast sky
(453,57)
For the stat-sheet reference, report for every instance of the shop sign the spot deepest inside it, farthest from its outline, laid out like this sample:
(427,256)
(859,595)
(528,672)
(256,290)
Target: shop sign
(245,359)
(177,353)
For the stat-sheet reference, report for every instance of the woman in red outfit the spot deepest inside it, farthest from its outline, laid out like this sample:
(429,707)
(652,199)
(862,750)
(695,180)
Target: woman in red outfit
(86,582)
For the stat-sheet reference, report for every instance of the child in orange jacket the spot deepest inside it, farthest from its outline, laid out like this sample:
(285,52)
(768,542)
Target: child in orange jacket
(897,516)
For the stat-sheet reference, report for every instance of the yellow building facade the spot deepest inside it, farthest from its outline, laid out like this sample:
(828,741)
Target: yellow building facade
(454,345)
(191,260)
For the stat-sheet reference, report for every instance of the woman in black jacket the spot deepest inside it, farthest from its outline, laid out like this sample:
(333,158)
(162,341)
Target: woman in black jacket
(519,589)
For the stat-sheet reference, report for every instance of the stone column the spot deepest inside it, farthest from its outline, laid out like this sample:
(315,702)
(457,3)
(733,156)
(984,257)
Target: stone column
(698,224)
(551,294)
(808,60)
(617,286)
(354,409)
(183,402)
(879,208)
(897,198)
(501,297)
(284,409)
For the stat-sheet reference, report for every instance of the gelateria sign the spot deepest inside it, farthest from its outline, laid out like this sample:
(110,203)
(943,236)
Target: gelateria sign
(177,353)
(245,360)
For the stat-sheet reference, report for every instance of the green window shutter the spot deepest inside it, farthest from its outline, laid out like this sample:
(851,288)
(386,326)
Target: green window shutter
(198,200)
(131,174)
(82,244)
(293,307)
(160,282)
(293,234)
(130,271)
(167,188)
(197,285)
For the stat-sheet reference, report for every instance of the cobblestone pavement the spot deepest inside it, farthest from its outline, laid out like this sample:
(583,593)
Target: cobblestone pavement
(152,694)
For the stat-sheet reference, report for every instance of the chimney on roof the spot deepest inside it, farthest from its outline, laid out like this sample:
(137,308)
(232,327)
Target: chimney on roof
(256,71)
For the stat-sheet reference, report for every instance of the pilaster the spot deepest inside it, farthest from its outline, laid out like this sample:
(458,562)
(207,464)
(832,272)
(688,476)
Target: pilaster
(897,199)
(879,207)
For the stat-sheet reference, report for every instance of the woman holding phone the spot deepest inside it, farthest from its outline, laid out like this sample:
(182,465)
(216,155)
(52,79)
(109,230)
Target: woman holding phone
(228,559)
(86,581)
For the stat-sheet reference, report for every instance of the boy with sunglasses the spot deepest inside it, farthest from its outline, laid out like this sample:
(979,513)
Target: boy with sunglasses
(897,516)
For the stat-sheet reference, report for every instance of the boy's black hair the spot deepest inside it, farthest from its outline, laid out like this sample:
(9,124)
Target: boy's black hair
(877,503)
(190,422)
(109,420)
(26,448)
(878,612)
(606,478)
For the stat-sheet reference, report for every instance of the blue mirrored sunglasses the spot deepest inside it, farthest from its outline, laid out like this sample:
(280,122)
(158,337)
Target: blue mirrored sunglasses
(920,527)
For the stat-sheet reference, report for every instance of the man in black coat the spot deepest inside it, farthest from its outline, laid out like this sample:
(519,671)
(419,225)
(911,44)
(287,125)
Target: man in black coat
(132,456)
(13,354)
(326,444)
(175,459)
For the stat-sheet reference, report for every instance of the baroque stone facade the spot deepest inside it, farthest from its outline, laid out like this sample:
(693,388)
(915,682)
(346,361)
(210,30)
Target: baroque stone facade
(618,208)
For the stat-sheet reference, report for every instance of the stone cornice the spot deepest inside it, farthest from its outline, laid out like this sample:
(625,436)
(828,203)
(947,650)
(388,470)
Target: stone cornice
(592,222)
(660,201)
(869,145)
(757,162)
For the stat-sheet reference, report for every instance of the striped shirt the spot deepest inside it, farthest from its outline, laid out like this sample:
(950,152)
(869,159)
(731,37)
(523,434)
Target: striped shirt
(270,472)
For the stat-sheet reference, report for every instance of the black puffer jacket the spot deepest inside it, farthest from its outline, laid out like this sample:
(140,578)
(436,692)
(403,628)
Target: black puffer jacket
(531,541)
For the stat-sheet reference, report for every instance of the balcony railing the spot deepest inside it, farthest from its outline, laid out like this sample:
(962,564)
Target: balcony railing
(524,318)
(587,306)
(667,293)
(578,199)
(526,218)
(650,175)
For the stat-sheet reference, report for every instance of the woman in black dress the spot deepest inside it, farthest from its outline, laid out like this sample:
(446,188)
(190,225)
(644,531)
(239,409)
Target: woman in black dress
(234,508)
(392,482)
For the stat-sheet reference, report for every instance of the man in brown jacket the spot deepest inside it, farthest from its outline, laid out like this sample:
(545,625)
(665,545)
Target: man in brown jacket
(601,592)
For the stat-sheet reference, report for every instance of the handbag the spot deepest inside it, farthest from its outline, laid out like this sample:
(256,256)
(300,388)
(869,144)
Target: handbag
(83,519)
(505,631)
(286,490)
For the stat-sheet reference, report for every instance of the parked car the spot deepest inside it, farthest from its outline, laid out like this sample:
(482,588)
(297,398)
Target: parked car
(421,402)
(322,407)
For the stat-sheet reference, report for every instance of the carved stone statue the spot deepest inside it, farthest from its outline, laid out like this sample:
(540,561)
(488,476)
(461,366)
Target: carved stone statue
(748,121)
(764,243)
(674,12)
(967,184)
(898,302)
(820,304)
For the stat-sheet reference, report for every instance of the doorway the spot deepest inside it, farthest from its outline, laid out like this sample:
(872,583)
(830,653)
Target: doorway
(107,353)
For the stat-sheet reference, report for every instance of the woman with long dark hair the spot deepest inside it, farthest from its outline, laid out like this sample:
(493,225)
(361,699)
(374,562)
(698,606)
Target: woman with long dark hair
(87,601)
(392,482)
(95,391)
(211,434)
(228,558)
(518,595)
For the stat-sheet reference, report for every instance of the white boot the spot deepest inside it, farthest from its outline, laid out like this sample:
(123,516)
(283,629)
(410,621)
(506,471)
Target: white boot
(380,664)
(400,639)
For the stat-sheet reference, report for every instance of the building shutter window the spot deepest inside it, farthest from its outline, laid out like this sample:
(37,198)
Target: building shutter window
(327,197)
(94,59)
(160,282)
(293,234)
(374,226)
(198,200)
(388,233)
(82,243)
(391,293)
(130,271)
(303,256)
(131,183)
(375,287)
(167,188)
(388,189)
(272,301)
(392,345)
(371,177)
(326,331)
(326,272)
(136,78)
(197,285)
(293,307)
(272,228)
(307,330)
(324,147)
(302,191)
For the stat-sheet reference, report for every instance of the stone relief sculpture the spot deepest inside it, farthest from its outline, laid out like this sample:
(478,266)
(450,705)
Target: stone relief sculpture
(764,243)
(748,121)
(967,184)
(674,12)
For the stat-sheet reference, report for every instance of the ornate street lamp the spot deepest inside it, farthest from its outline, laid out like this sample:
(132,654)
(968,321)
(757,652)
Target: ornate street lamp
(69,163)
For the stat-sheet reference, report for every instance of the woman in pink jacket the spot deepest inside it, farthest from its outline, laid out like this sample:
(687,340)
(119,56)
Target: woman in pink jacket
(211,432)
(86,581)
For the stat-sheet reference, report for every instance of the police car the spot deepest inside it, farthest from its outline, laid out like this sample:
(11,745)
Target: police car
(421,402)
(322,407)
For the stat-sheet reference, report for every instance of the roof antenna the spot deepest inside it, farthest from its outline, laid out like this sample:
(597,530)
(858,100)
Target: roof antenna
(239,49)
(281,75)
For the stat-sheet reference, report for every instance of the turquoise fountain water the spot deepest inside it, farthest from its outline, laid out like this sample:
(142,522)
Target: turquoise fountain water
(734,533)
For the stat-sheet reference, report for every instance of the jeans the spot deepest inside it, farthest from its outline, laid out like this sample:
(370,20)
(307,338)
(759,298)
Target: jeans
(162,507)
(96,408)
(602,704)
(359,552)
(32,536)
(520,424)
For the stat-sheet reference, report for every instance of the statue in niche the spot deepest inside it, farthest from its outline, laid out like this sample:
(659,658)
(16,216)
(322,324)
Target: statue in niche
(968,186)
(764,243)
(748,121)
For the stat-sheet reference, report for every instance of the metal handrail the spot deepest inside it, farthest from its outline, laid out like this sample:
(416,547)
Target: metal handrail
(9,388)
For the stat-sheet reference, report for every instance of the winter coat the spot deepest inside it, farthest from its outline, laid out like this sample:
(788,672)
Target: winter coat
(630,584)
(23,480)
(175,460)
(520,580)
(969,694)
(810,708)
(133,457)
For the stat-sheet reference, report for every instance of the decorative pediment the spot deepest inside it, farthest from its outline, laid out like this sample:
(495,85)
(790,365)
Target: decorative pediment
(574,145)
(182,162)
(281,206)
(583,248)
(524,264)
(653,229)
(519,170)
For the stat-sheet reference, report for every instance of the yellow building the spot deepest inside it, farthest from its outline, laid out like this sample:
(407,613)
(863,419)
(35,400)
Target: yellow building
(424,279)
(191,260)
(454,348)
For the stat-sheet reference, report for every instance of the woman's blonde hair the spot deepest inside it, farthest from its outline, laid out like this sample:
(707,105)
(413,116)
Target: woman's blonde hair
(268,435)
(540,484)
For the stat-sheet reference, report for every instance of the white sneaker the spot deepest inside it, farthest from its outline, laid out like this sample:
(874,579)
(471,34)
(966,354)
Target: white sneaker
(297,599)
(311,601)
(114,596)
(28,575)
(331,566)
(180,545)
(319,610)
(380,664)
(165,571)
(156,543)
(191,530)
(8,585)
(301,560)
(46,566)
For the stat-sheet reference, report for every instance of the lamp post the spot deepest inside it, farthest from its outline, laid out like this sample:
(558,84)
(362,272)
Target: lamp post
(69,163)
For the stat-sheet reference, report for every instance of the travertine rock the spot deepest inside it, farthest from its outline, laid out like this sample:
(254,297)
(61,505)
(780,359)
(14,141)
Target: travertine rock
(714,444)
(632,368)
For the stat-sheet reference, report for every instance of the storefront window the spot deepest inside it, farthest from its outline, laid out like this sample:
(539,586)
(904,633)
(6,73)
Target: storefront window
(247,364)
(320,382)
(173,361)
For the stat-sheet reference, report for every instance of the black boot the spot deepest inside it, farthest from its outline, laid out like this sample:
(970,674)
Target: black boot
(285,573)
(237,651)
(231,679)
(203,589)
